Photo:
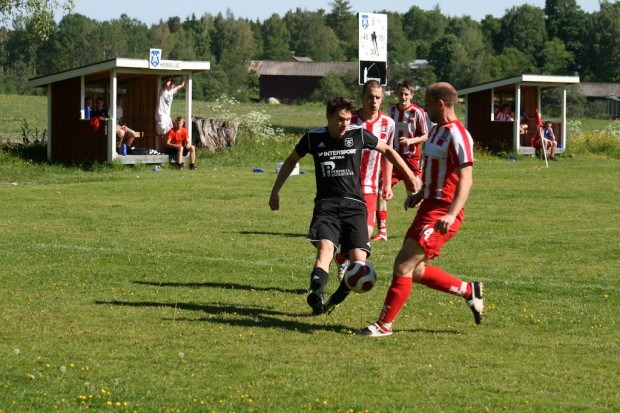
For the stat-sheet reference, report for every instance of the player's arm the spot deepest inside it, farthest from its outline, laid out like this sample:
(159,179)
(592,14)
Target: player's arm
(466,179)
(418,139)
(285,171)
(386,176)
(412,183)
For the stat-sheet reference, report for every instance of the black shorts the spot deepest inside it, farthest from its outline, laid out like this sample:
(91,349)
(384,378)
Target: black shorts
(341,221)
(174,151)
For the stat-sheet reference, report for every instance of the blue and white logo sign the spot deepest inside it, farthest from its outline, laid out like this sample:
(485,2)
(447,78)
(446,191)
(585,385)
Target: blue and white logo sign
(364,18)
(154,58)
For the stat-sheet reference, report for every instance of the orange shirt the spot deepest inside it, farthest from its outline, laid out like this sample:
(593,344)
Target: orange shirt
(177,137)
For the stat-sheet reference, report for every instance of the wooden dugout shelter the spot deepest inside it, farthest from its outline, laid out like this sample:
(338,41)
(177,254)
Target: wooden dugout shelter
(72,139)
(523,94)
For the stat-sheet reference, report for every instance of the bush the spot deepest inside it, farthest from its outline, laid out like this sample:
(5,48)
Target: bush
(605,142)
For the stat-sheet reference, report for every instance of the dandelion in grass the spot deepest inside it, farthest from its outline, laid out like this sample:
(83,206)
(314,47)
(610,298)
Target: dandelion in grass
(63,369)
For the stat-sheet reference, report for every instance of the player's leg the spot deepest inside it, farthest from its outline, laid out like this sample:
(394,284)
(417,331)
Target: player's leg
(355,246)
(120,135)
(192,157)
(131,135)
(371,209)
(421,244)
(324,234)
(319,275)
(342,292)
(431,242)
(382,215)
(342,264)
(410,257)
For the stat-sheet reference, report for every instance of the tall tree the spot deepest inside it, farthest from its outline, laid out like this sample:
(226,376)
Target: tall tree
(523,28)
(73,44)
(460,56)
(310,37)
(199,30)
(401,51)
(606,43)
(555,59)
(19,52)
(136,36)
(424,28)
(511,62)
(566,21)
(343,22)
(39,12)
(234,46)
(276,39)
(491,27)
(161,37)
(111,40)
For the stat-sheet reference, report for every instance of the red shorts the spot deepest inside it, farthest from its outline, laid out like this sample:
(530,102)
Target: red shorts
(423,227)
(398,176)
(371,207)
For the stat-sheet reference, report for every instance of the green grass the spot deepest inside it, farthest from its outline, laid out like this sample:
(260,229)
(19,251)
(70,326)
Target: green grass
(125,289)
(132,290)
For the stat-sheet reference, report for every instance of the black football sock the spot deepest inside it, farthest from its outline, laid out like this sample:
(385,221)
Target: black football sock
(318,279)
(340,294)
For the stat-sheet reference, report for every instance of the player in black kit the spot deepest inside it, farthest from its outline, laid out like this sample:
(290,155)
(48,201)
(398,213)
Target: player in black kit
(339,216)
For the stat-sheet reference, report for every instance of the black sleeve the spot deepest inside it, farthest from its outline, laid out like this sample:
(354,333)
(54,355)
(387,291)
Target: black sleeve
(370,141)
(303,146)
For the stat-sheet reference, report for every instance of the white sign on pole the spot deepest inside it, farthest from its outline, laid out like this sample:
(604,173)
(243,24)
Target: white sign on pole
(372,47)
(156,62)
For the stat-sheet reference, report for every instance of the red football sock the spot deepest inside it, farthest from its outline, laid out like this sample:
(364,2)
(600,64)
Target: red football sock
(438,279)
(382,221)
(340,259)
(396,297)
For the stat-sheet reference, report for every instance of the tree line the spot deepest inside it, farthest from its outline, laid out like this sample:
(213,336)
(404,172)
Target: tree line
(559,39)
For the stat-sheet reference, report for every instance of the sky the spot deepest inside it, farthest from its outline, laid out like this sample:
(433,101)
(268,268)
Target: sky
(151,11)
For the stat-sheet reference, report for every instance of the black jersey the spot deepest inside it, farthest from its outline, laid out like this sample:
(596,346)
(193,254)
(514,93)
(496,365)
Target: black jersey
(337,161)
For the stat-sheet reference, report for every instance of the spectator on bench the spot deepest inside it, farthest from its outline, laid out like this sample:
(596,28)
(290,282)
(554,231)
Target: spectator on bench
(99,110)
(124,134)
(178,144)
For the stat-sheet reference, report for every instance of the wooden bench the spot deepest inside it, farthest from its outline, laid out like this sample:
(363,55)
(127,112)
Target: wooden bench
(148,159)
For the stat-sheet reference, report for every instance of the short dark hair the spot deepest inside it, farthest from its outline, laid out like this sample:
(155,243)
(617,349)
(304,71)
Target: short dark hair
(443,91)
(405,83)
(337,103)
(371,84)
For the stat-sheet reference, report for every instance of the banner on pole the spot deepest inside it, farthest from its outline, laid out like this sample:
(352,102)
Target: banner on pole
(372,50)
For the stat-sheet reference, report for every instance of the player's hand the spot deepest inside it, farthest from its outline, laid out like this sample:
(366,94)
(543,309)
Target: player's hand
(403,141)
(443,224)
(414,184)
(387,193)
(413,200)
(274,202)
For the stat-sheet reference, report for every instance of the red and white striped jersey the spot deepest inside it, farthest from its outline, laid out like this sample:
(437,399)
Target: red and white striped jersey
(410,122)
(383,128)
(448,147)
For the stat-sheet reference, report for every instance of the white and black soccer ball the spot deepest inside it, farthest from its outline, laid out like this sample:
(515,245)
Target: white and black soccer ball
(360,277)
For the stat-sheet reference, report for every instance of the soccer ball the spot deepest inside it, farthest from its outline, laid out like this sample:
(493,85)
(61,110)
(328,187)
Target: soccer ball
(360,277)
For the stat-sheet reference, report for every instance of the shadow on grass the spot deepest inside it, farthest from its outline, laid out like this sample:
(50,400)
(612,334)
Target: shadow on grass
(226,313)
(282,234)
(428,331)
(226,286)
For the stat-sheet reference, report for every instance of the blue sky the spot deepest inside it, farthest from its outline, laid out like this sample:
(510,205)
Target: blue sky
(152,11)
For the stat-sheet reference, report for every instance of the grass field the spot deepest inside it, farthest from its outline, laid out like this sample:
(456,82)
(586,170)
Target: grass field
(125,289)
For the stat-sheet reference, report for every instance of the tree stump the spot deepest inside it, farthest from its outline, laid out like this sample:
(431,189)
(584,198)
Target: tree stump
(214,134)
